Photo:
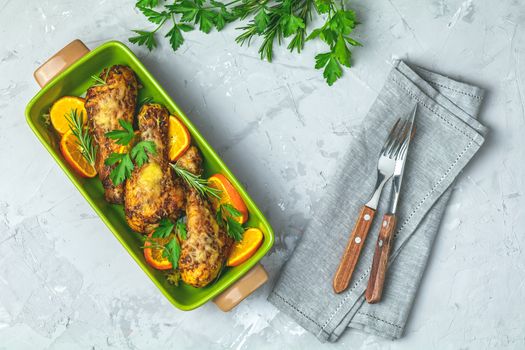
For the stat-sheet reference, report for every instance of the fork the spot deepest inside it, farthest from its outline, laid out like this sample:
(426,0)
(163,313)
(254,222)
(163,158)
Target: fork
(385,170)
(376,281)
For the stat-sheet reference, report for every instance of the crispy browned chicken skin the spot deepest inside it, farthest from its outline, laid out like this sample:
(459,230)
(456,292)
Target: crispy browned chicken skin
(151,193)
(105,105)
(207,246)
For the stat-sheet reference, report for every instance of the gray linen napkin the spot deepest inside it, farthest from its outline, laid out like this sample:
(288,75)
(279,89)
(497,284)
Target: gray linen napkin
(448,135)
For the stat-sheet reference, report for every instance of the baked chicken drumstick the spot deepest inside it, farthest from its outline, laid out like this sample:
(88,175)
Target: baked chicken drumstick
(204,252)
(151,193)
(105,105)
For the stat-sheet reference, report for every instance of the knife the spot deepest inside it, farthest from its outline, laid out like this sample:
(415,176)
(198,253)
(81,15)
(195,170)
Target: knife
(385,170)
(378,272)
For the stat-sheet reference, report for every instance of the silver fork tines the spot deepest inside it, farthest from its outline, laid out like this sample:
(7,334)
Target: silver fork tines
(387,158)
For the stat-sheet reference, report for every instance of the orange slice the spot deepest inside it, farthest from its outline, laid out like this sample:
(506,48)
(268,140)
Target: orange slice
(244,249)
(179,138)
(154,256)
(229,195)
(73,155)
(61,108)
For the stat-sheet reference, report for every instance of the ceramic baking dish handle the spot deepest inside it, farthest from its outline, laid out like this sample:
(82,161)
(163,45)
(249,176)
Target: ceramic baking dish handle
(60,61)
(241,289)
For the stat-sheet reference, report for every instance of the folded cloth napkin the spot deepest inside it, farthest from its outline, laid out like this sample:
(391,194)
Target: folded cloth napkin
(447,137)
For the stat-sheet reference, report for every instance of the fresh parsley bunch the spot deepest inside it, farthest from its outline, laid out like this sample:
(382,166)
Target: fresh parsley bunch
(274,21)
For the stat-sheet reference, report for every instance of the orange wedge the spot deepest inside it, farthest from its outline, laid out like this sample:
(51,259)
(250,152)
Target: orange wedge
(229,195)
(154,256)
(61,108)
(244,249)
(179,138)
(73,155)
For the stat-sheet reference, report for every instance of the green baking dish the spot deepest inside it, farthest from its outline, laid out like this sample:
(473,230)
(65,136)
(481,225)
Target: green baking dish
(74,65)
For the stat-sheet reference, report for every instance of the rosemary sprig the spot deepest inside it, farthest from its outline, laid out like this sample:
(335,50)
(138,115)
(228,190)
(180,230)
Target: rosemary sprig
(196,182)
(98,80)
(84,139)
(145,100)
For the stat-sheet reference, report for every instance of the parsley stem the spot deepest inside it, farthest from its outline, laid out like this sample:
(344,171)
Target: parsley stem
(160,25)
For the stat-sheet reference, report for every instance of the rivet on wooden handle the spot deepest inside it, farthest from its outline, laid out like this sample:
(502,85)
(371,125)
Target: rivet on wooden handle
(353,248)
(374,290)
(68,55)
(241,289)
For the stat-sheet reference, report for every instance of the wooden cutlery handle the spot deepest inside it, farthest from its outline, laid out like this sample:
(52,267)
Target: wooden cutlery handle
(380,262)
(353,249)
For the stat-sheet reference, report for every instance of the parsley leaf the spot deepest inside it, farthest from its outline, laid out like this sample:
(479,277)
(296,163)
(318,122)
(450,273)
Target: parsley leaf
(220,20)
(180,227)
(147,3)
(123,169)
(186,8)
(164,229)
(261,20)
(140,151)
(323,6)
(290,24)
(230,210)
(124,161)
(144,38)
(335,34)
(175,35)
(332,71)
(185,27)
(206,20)
(341,51)
(124,136)
(234,229)
(352,41)
(226,215)
(172,252)
(314,34)
(343,22)
(322,59)
(154,16)
(176,38)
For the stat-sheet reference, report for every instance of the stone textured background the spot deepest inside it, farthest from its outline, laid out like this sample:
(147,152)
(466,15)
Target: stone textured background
(65,281)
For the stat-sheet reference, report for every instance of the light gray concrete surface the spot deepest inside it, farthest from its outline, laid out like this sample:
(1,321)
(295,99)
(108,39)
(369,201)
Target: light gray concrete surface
(65,281)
